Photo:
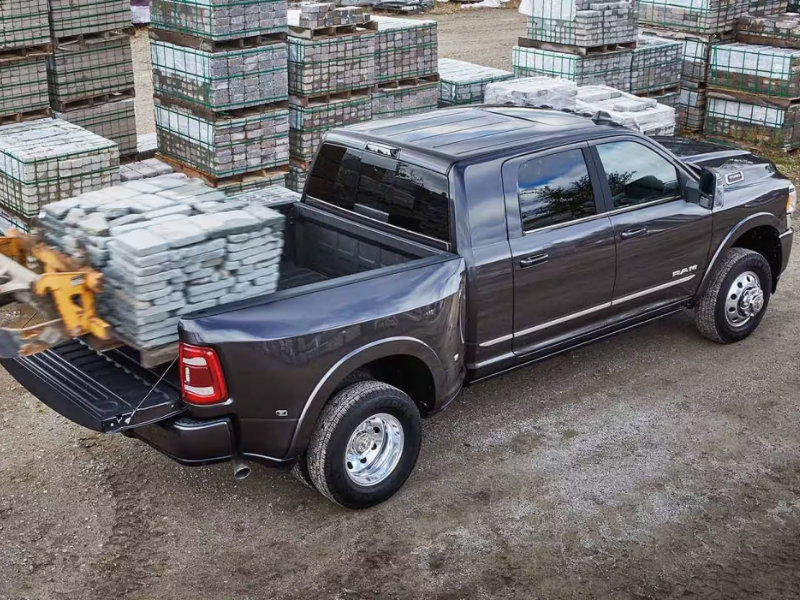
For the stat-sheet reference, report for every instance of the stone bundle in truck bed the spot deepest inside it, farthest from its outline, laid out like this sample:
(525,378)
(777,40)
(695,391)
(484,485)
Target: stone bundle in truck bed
(219,19)
(583,24)
(698,16)
(607,68)
(168,246)
(465,83)
(69,18)
(756,69)
(23,23)
(48,160)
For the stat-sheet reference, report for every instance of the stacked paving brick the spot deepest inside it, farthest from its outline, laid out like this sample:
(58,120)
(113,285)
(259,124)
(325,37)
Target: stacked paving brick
(168,246)
(48,160)
(332,73)
(465,83)
(221,87)
(656,66)
(91,72)
(754,94)
(24,47)
(586,42)
(407,67)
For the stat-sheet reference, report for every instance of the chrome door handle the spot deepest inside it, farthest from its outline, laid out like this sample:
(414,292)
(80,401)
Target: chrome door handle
(632,233)
(531,261)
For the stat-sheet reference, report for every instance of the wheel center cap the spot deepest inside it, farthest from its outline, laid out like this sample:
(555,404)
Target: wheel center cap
(752,302)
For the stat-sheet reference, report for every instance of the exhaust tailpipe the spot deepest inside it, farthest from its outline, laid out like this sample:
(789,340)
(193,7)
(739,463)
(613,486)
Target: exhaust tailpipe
(241,469)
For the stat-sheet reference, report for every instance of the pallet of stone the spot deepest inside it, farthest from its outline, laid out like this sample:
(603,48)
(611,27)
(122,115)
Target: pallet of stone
(26,116)
(114,120)
(656,64)
(756,69)
(324,19)
(692,16)
(464,83)
(691,109)
(98,66)
(331,65)
(23,85)
(169,246)
(608,25)
(310,119)
(221,80)
(608,68)
(71,20)
(744,117)
(24,23)
(696,52)
(391,102)
(221,145)
(780,31)
(405,48)
(216,20)
(48,160)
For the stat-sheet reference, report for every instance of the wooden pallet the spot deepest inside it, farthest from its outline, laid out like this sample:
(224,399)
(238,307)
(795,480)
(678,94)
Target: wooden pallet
(88,38)
(214,116)
(21,117)
(332,31)
(672,89)
(211,46)
(754,98)
(579,50)
(321,99)
(215,181)
(13,55)
(408,81)
(67,105)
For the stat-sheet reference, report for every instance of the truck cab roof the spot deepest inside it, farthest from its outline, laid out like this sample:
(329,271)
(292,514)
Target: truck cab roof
(444,137)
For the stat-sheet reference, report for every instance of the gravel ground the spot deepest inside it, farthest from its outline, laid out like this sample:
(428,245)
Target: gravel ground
(654,464)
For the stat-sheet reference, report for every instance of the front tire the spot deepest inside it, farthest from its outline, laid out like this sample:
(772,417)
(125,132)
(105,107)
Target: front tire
(737,297)
(365,445)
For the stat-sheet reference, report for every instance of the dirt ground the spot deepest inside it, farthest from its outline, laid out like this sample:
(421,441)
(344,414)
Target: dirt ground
(651,465)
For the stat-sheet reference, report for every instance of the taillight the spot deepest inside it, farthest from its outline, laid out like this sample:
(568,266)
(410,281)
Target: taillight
(202,380)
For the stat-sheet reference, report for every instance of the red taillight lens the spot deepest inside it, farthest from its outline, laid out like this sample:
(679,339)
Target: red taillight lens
(202,381)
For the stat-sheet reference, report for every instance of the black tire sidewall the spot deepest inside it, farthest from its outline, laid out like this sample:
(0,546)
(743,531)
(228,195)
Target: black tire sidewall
(344,490)
(752,262)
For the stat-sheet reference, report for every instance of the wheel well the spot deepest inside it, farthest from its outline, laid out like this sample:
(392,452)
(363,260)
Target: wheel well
(404,372)
(767,243)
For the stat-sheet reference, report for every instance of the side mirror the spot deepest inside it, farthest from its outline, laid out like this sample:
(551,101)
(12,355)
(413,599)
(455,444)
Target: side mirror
(708,183)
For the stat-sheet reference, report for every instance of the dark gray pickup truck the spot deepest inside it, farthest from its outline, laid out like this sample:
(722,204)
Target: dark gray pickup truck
(431,252)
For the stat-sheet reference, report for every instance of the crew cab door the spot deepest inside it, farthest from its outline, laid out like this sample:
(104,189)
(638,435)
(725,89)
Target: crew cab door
(562,246)
(662,238)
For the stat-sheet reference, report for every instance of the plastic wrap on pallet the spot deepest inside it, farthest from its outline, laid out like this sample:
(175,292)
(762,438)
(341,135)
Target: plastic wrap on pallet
(219,19)
(168,246)
(640,114)
(227,145)
(609,68)
(222,80)
(656,64)
(405,48)
(23,85)
(601,23)
(23,23)
(753,121)
(115,121)
(89,68)
(698,16)
(465,83)
(69,18)
(756,69)
(48,160)
(309,121)
(782,30)
(548,92)
(388,103)
(332,64)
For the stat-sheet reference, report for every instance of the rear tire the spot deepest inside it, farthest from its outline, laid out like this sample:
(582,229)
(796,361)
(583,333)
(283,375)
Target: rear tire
(365,444)
(737,297)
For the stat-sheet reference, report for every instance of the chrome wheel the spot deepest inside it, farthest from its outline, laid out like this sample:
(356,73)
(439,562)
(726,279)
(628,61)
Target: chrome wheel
(745,299)
(374,450)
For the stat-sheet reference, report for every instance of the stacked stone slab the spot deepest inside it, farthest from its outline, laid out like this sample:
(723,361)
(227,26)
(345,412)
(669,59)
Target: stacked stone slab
(221,86)
(583,24)
(407,66)
(782,31)
(752,118)
(761,70)
(694,16)
(656,66)
(168,246)
(23,24)
(465,83)
(48,160)
(332,74)
(603,68)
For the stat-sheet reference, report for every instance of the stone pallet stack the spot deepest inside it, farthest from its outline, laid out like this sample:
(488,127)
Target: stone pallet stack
(169,246)
(586,42)
(465,83)
(48,160)
(332,74)
(705,17)
(782,31)
(656,67)
(221,87)
(24,48)
(407,67)
(91,71)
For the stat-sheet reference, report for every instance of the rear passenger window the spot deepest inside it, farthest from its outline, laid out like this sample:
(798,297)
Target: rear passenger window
(637,175)
(555,189)
(334,178)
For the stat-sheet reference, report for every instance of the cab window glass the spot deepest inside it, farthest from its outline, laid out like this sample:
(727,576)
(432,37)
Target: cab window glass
(636,174)
(555,189)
